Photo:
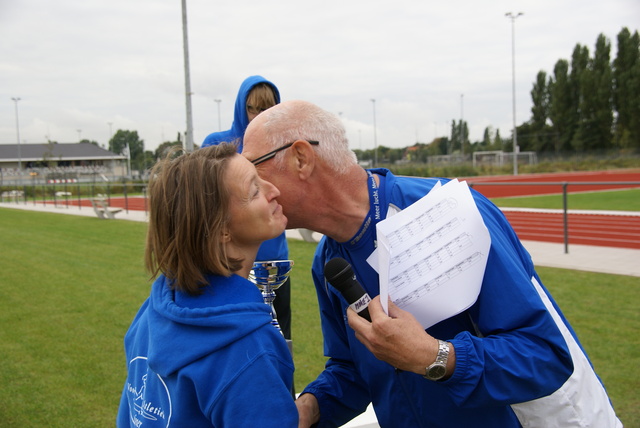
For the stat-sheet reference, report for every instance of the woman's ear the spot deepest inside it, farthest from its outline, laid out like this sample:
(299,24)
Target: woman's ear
(225,236)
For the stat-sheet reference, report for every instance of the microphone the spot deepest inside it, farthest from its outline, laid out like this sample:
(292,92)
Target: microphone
(340,275)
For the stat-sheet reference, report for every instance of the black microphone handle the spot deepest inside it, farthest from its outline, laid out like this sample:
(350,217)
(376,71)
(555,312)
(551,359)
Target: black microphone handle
(362,307)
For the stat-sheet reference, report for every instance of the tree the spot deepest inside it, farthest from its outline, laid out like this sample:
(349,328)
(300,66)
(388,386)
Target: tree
(562,113)
(466,145)
(539,131)
(579,63)
(459,137)
(439,146)
(454,137)
(626,90)
(596,109)
(540,99)
(163,148)
(526,137)
(123,139)
(498,142)
(485,144)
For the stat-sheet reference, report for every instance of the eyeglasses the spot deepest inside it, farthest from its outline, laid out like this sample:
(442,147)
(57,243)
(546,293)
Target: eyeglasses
(272,154)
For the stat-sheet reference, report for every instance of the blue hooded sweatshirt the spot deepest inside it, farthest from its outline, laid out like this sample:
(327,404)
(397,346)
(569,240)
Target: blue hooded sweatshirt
(211,360)
(240,117)
(276,248)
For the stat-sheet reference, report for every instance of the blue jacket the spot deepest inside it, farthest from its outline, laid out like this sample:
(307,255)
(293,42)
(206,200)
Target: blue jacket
(240,117)
(512,346)
(211,360)
(276,248)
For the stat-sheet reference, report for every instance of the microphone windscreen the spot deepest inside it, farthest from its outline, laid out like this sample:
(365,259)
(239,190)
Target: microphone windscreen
(338,271)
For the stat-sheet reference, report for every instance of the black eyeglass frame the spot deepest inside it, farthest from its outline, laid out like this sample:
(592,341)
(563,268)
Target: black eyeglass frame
(272,154)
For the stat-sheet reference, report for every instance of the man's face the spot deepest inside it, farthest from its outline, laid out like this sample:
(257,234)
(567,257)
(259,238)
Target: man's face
(253,148)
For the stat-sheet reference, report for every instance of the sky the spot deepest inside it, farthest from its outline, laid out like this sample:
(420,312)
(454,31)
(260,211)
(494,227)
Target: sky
(84,69)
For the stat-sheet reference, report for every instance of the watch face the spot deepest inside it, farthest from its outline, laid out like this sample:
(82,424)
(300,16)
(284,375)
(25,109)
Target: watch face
(437,372)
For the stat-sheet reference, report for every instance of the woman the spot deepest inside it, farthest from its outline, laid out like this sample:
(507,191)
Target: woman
(256,94)
(202,351)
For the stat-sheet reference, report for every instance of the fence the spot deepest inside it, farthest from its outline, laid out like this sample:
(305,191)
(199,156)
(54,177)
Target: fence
(66,193)
(565,185)
(60,194)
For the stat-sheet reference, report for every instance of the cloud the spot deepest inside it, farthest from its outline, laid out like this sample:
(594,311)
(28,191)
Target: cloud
(82,65)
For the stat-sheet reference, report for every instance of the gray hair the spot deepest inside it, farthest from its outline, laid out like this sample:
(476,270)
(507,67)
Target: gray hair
(300,120)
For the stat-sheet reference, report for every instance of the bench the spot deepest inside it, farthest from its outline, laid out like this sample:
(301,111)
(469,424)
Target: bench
(102,209)
(58,194)
(13,195)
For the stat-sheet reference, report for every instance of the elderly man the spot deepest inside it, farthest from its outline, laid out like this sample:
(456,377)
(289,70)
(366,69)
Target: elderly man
(510,360)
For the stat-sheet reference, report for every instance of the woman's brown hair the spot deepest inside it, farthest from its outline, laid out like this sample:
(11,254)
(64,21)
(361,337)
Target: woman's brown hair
(188,213)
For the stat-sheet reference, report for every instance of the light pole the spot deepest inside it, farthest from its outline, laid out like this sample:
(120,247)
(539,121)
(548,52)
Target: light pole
(187,78)
(375,137)
(79,135)
(218,101)
(513,18)
(15,100)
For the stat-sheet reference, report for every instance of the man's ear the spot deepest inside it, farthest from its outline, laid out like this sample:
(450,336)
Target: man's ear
(304,157)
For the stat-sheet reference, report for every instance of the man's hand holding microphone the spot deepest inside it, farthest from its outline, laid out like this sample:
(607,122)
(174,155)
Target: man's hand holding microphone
(397,338)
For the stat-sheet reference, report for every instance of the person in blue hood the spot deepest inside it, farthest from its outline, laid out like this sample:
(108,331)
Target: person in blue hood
(202,350)
(256,94)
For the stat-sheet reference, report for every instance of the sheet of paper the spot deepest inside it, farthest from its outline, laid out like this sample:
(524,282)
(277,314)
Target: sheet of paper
(431,256)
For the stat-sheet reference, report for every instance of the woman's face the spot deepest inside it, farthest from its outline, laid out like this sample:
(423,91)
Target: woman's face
(253,111)
(255,214)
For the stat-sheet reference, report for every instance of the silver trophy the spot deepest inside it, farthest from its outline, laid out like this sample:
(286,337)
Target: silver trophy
(269,276)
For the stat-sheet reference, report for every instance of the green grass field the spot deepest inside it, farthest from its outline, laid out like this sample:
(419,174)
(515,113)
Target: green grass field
(70,287)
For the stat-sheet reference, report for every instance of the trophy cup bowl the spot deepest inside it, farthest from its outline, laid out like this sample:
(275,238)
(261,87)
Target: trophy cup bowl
(269,276)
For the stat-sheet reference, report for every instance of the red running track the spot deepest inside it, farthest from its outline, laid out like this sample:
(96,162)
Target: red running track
(500,191)
(620,231)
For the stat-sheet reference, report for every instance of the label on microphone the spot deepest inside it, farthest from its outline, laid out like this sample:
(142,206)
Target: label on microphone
(361,304)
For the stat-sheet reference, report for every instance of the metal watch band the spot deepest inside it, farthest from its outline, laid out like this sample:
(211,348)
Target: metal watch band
(443,352)
(438,369)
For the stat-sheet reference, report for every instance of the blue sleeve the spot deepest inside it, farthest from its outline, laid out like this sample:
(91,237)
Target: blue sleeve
(518,353)
(341,392)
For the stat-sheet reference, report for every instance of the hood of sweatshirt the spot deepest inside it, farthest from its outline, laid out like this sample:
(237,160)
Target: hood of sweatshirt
(175,323)
(240,116)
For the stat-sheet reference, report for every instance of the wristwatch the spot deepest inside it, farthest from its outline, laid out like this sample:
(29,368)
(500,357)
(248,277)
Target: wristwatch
(438,369)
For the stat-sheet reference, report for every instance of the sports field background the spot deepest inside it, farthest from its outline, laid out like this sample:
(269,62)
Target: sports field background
(70,287)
